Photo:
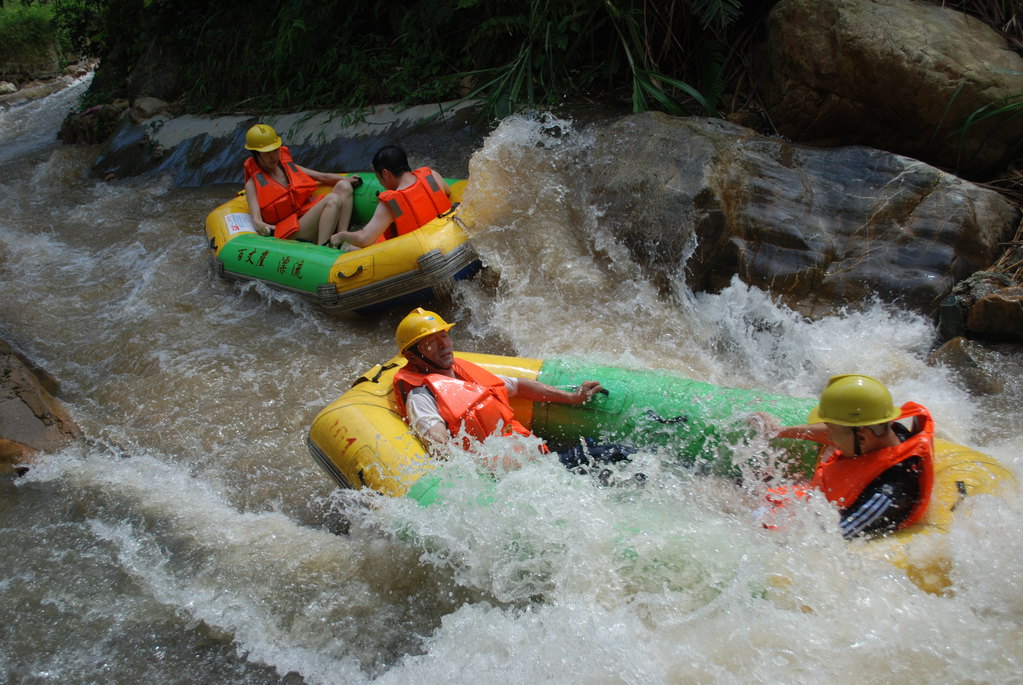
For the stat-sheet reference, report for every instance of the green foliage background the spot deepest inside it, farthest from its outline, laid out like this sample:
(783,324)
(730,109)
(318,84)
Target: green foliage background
(24,29)
(681,56)
(265,55)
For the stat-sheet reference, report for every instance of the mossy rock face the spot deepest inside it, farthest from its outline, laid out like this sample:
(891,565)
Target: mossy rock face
(42,61)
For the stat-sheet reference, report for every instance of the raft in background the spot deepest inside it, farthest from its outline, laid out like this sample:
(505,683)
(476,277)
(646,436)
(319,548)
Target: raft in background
(414,267)
(361,441)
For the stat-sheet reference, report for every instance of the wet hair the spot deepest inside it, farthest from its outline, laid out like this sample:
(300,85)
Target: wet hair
(392,158)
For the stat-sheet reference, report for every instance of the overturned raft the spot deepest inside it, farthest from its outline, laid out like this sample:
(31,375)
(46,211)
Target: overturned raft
(361,441)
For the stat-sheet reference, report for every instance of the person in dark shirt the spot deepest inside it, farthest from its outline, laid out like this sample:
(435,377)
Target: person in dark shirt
(876,460)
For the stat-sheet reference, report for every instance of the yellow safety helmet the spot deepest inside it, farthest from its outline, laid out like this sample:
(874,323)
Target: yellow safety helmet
(854,400)
(262,138)
(417,325)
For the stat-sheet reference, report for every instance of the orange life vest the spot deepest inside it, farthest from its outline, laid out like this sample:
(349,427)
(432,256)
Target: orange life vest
(279,204)
(843,479)
(476,400)
(416,205)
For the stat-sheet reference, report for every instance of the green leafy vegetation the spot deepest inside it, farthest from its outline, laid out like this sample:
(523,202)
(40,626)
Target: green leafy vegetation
(561,50)
(80,26)
(680,56)
(266,55)
(27,35)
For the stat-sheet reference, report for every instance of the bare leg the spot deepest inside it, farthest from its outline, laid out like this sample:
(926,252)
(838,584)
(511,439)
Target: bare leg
(309,222)
(330,214)
(336,217)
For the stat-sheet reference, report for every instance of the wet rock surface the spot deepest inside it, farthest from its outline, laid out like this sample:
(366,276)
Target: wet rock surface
(987,304)
(14,93)
(204,150)
(707,200)
(32,420)
(897,75)
(982,368)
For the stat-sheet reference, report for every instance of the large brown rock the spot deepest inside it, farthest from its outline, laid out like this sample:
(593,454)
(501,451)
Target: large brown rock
(987,305)
(31,419)
(983,368)
(968,361)
(998,315)
(897,75)
(93,125)
(821,228)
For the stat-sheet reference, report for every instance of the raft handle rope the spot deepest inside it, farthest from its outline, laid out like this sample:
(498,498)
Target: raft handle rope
(660,419)
(961,489)
(376,378)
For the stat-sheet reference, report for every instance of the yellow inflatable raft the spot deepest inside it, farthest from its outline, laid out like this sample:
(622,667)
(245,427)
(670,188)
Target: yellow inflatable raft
(411,268)
(921,550)
(361,441)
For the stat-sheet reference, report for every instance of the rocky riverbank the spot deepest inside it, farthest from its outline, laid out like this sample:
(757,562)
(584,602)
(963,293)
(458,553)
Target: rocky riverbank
(13,94)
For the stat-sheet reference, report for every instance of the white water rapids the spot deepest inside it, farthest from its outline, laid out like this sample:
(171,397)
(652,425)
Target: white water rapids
(193,539)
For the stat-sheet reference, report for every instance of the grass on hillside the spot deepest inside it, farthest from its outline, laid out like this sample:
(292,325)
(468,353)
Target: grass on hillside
(27,35)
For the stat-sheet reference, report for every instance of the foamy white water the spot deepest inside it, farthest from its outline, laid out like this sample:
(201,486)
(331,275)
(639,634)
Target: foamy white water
(190,538)
(32,126)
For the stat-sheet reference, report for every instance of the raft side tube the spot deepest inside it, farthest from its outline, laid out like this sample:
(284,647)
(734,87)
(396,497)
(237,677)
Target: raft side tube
(433,253)
(227,222)
(959,474)
(368,443)
(697,421)
(290,264)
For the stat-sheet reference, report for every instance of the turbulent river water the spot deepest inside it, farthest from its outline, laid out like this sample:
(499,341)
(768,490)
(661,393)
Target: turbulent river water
(193,539)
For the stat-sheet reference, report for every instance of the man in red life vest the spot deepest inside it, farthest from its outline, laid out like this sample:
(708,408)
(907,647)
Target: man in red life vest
(441,396)
(280,192)
(876,461)
(411,199)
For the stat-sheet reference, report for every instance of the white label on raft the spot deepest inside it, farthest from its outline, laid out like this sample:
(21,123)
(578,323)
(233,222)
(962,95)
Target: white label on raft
(239,223)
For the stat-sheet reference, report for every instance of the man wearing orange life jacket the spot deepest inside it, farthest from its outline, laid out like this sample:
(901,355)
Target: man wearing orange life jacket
(875,468)
(411,199)
(440,396)
(280,192)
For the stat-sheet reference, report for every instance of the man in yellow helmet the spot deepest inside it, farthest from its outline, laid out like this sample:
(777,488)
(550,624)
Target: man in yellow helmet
(280,192)
(441,396)
(876,460)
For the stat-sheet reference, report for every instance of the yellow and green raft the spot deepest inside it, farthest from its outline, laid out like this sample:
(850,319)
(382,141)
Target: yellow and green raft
(361,441)
(411,268)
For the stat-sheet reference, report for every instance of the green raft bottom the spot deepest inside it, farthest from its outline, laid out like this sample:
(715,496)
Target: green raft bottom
(699,423)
